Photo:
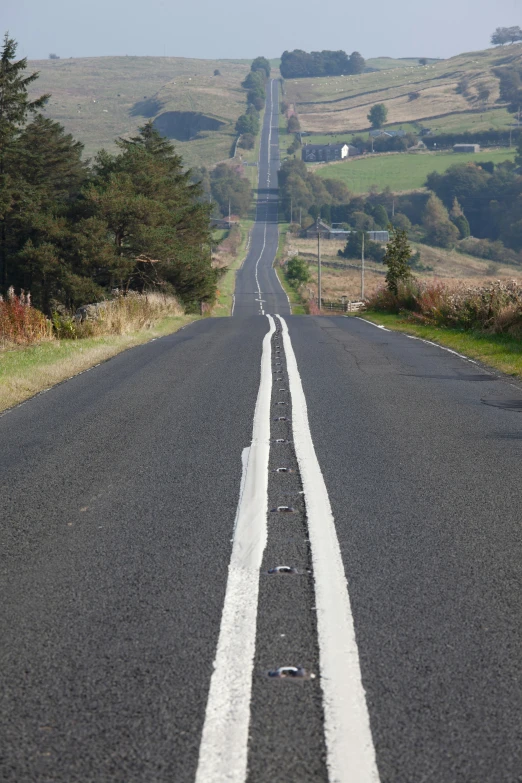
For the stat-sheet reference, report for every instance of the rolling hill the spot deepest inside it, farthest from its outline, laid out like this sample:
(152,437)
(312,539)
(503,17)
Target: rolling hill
(443,94)
(100,98)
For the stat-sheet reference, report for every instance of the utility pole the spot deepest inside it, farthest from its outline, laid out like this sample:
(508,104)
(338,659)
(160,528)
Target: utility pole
(291,209)
(393,208)
(229,213)
(300,219)
(362,270)
(319,292)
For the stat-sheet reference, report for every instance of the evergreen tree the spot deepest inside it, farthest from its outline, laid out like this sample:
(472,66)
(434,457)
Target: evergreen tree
(397,258)
(15,110)
(159,226)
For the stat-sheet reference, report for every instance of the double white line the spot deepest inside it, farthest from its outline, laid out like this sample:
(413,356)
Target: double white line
(224,745)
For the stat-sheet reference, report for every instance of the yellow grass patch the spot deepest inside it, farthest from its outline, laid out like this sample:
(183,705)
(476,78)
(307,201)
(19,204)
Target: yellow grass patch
(25,372)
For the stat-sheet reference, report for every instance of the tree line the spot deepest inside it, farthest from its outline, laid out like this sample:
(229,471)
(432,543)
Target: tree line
(506,35)
(248,123)
(482,200)
(71,231)
(298,64)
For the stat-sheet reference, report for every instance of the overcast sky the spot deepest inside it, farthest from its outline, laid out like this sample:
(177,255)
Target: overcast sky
(237,29)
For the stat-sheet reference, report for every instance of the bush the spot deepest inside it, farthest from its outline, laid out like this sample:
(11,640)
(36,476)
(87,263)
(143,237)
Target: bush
(297,271)
(247,141)
(293,125)
(495,308)
(20,323)
(493,251)
(125,313)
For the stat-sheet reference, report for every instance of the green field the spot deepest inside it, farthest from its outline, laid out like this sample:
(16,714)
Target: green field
(400,171)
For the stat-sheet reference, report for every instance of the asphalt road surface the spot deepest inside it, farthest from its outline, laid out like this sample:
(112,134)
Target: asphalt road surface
(258,290)
(145,635)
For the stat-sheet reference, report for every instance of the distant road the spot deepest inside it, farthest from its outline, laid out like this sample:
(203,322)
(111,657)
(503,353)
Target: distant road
(257,275)
(143,515)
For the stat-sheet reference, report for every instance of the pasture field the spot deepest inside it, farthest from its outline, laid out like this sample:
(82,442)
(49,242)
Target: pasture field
(99,99)
(429,94)
(401,171)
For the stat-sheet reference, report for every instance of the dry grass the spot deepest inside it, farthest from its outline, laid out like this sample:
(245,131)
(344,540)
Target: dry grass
(95,98)
(122,315)
(25,372)
(333,104)
(112,327)
(455,269)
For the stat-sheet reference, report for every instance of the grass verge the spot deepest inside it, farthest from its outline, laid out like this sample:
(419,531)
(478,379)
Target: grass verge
(227,284)
(26,371)
(502,352)
(296,302)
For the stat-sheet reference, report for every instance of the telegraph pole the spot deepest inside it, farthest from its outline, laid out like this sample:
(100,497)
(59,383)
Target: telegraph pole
(319,293)
(362,270)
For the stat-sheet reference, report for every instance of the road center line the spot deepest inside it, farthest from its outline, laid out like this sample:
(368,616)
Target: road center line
(224,742)
(349,744)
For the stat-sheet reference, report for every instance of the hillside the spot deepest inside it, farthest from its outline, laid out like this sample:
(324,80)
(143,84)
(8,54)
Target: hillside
(442,94)
(100,98)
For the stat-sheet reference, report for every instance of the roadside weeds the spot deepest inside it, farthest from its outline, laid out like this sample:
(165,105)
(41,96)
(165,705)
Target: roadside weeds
(27,371)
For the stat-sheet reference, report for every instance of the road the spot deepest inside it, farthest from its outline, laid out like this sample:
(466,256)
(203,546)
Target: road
(257,289)
(142,514)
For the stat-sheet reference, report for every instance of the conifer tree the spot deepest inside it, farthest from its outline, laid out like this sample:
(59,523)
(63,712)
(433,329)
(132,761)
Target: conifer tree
(15,109)
(397,259)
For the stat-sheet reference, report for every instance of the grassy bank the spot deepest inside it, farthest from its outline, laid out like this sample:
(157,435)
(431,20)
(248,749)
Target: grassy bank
(26,371)
(502,352)
(227,284)
(296,301)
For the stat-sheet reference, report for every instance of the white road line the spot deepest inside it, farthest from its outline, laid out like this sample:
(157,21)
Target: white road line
(442,347)
(224,743)
(377,326)
(349,744)
(421,339)
(261,310)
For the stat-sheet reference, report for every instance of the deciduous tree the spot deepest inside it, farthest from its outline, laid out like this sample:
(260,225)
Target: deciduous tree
(378,115)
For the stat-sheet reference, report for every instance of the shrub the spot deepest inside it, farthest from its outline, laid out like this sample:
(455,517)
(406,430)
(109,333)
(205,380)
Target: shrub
(20,323)
(247,141)
(293,125)
(493,251)
(495,308)
(297,271)
(125,313)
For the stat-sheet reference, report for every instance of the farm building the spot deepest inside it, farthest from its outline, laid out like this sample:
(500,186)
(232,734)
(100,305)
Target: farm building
(329,232)
(315,153)
(466,148)
(387,134)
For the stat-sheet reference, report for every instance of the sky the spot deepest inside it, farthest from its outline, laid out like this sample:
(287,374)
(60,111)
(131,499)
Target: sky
(237,29)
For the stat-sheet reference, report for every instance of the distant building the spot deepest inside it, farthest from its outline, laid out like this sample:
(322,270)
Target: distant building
(388,134)
(328,232)
(322,153)
(466,148)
